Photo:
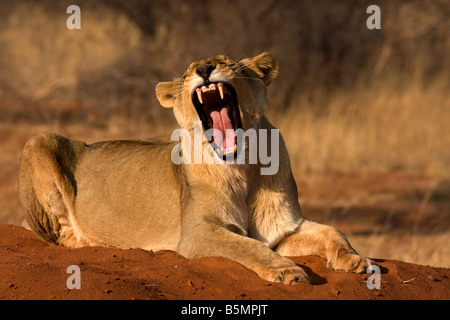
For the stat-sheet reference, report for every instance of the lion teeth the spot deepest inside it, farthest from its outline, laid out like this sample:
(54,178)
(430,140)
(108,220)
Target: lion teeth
(199,95)
(211,87)
(220,87)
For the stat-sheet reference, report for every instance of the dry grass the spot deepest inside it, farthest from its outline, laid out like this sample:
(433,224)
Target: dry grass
(373,129)
(426,249)
(346,99)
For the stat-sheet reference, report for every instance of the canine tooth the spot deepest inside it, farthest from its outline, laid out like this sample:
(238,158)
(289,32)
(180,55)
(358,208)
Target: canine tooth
(199,95)
(220,87)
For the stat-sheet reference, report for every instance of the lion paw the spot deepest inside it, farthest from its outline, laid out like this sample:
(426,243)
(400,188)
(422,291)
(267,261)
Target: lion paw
(350,262)
(289,275)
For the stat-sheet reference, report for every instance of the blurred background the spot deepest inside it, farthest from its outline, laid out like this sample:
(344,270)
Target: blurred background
(365,113)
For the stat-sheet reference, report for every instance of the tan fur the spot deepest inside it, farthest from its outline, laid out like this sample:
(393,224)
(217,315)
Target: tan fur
(129,194)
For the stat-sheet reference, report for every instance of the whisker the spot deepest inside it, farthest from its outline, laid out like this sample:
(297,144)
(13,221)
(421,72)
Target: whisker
(242,55)
(249,78)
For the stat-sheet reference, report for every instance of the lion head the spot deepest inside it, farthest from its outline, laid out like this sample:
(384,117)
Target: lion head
(222,93)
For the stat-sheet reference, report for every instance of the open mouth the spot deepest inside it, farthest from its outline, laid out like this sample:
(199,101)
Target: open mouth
(217,106)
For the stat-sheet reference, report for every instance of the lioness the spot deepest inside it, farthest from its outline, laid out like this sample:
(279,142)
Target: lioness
(130,194)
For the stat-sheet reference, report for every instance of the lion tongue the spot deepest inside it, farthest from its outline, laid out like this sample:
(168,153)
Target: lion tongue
(222,124)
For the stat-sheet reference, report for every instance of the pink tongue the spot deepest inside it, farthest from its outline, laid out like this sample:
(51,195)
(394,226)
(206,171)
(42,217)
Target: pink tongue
(222,123)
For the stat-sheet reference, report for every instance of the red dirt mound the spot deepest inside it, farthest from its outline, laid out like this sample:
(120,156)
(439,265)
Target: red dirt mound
(32,269)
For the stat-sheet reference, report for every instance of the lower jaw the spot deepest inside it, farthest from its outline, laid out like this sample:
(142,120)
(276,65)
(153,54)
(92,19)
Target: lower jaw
(227,153)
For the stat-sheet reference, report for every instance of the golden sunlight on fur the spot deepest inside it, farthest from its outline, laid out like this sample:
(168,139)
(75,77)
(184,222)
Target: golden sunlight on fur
(130,194)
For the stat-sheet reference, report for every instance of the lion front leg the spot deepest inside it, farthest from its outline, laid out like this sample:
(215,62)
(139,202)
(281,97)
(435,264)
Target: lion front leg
(316,239)
(210,239)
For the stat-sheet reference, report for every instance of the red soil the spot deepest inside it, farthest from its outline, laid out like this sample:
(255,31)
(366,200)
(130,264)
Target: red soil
(33,269)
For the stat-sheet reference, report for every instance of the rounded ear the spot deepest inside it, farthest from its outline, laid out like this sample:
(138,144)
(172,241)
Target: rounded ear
(166,93)
(264,65)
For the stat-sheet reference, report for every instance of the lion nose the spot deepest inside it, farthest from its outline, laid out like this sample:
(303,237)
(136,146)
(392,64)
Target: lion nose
(205,70)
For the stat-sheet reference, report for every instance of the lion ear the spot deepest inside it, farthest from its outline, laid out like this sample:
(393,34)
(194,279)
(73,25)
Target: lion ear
(264,65)
(166,93)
